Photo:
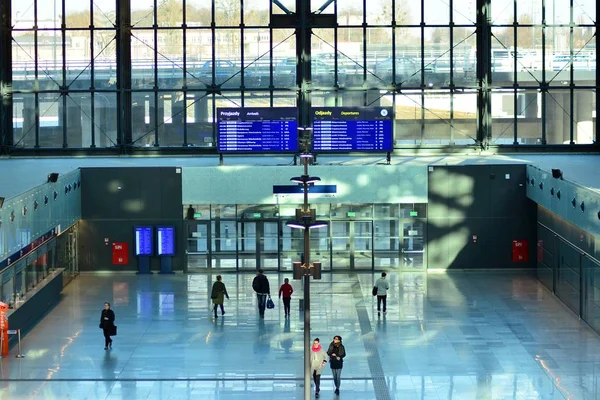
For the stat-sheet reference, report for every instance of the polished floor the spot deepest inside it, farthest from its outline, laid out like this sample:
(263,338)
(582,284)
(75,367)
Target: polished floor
(445,336)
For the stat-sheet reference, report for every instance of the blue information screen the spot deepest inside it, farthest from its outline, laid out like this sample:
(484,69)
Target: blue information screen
(344,129)
(143,240)
(255,130)
(166,240)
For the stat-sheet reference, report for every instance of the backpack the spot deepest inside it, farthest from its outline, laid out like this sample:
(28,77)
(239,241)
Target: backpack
(375,290)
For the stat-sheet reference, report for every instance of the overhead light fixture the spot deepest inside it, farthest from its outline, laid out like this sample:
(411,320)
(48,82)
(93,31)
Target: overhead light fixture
(295,225)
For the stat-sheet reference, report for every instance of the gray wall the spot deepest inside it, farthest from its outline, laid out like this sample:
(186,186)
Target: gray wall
(541,186)
(115,200)
(478,200)
(355,184)
(568,262)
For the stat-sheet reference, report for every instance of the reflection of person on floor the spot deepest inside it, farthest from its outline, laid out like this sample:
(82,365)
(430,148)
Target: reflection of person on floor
(287,342)
(108,370)
(262,343)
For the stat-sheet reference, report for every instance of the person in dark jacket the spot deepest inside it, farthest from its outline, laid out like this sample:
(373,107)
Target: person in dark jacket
(286,290)
(218,293)
(107,324)
(336,353)
(260,284)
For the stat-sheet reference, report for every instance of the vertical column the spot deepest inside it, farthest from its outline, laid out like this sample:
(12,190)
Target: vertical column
(583,118)
(124,123)
(29,121)
(484,32)
(6,111)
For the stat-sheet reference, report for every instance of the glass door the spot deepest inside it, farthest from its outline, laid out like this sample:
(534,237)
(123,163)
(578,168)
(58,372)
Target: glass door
(341,245)
(248,245)
(223,244)
(362,245)
(197,247)
(386,242)
(268,254)
(413,245)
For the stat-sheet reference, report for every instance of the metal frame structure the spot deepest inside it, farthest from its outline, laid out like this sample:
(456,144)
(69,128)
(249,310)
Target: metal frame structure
(306,21)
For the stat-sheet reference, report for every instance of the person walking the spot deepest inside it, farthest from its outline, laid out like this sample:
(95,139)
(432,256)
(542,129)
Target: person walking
(318,359)
(260,284)
(218,293)
(107,324)
(382,287)
(286,290)
(336,353)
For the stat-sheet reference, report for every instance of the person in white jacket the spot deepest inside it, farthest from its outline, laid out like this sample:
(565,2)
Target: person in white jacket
(382,288)
(318,358)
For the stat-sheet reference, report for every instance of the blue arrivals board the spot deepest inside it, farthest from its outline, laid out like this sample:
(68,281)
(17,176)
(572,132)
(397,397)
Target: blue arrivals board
(165,240)
(256,130)
(143,240)
(345,129)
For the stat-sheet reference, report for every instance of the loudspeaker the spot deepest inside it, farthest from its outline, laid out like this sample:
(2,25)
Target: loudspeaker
(1,202)
(316,271)
(557,173)
(297,270)
(53,177)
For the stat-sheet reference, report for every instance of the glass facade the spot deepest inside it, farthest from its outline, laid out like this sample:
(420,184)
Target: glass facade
(359,237)
(107,74)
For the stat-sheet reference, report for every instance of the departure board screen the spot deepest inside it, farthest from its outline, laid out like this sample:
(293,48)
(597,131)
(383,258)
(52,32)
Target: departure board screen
(256,130)
(165,240)
(344,129)
(143,240)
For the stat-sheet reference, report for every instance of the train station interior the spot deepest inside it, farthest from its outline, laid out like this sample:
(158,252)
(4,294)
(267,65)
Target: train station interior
(151,148)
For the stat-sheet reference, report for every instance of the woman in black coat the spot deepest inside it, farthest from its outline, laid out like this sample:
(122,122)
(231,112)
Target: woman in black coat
(107,324)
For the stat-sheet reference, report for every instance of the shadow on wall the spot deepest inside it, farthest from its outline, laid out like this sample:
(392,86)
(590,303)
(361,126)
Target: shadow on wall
(475,212)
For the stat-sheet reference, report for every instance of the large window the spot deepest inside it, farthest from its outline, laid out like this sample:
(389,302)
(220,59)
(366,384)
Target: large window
(543,65)
(84,78)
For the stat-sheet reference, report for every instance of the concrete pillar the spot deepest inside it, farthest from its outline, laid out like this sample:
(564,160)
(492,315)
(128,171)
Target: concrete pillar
(584,123)
(556,118)
(29,117)
(138,123)
(201,109)
(73,122)
(528,105)
(86,125)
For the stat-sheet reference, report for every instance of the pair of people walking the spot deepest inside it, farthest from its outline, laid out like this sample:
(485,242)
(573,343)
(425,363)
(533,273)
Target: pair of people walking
(318,358)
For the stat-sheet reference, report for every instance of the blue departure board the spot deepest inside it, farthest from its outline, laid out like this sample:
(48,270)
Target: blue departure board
(166,240)
(345,129)
(143,240)
(256,130)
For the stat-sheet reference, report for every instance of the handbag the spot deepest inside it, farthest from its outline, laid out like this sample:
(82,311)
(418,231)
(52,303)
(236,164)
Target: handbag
(113,331)
(270,304)
(374,290)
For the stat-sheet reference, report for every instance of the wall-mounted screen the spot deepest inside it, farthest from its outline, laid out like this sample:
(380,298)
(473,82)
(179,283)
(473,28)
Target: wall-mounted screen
(143,240)
(256,130)
(345,129)
(165,240)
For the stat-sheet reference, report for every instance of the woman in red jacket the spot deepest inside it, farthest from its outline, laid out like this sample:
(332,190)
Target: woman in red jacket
(286,290)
